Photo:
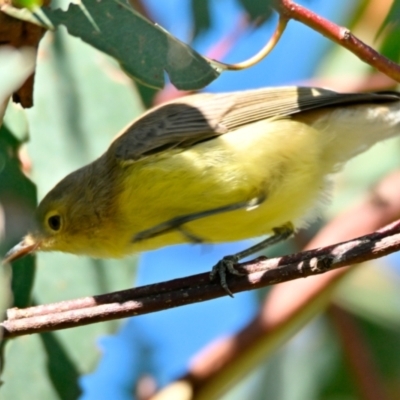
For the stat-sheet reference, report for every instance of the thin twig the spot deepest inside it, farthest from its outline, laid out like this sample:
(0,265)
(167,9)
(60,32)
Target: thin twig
(262,53)
(338,34)
(197,288)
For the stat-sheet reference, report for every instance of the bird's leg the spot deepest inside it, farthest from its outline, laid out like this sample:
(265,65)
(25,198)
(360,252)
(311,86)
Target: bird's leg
(227,264)
(177,222)
(190,235)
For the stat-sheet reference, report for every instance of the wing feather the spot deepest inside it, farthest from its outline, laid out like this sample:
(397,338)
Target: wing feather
(192,119)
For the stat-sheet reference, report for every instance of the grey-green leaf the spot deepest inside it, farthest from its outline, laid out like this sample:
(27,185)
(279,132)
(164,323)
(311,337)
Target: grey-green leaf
(144,49)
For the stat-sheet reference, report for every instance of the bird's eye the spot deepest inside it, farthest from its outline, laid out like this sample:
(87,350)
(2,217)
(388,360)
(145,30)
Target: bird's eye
(54,222)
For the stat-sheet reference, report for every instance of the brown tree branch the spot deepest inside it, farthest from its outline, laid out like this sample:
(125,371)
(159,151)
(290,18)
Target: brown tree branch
(259,273)
(357,354)
(338,34)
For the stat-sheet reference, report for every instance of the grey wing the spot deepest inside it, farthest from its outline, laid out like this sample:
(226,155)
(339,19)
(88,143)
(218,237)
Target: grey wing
(180,123)
(199,117)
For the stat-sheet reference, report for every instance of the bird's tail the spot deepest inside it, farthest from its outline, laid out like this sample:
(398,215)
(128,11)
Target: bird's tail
(352,130)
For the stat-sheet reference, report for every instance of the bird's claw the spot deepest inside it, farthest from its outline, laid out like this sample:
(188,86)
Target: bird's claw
(226,264)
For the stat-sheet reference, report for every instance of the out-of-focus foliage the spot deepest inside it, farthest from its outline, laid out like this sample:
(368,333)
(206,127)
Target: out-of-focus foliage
(82,99)
(30,4)
(17,193)
(18,200)
(15,67)
(258,10)
(201,16)
(392,18)
(391,27)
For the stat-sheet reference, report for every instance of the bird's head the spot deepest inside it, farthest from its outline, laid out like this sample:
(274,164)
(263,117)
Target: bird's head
(65,220)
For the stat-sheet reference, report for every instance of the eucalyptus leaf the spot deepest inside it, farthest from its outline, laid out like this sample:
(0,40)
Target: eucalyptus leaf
(392,20)
(258,10)
(201,16)
(145,50)
(15,67)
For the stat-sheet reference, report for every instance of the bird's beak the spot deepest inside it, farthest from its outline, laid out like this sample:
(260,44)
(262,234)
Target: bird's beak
(26,246)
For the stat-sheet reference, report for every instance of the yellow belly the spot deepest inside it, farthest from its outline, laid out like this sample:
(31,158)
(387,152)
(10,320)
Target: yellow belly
(281,159)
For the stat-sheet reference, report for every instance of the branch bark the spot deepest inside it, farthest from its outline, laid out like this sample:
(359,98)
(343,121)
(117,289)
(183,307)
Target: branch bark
(339,35)
(142,300)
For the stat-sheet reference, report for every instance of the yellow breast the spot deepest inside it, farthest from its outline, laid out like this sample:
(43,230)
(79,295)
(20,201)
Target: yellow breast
(280,159)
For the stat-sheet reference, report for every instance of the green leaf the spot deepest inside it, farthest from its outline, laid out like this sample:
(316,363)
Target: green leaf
(391,45)
(392,18)
(29,4)
(60,367)
(18,200)
(15,67)
(385,347)
(391,28)
(144,50)
(201,16)
(24,375)
(258,10)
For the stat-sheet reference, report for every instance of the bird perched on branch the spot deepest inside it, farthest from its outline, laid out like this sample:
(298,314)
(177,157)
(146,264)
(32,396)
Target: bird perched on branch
(212,168)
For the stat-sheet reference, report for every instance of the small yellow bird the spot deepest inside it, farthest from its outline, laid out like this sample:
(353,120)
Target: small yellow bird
(212,168)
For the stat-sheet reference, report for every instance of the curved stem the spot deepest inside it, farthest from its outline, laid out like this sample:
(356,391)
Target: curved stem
(282,23)
(340,35)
